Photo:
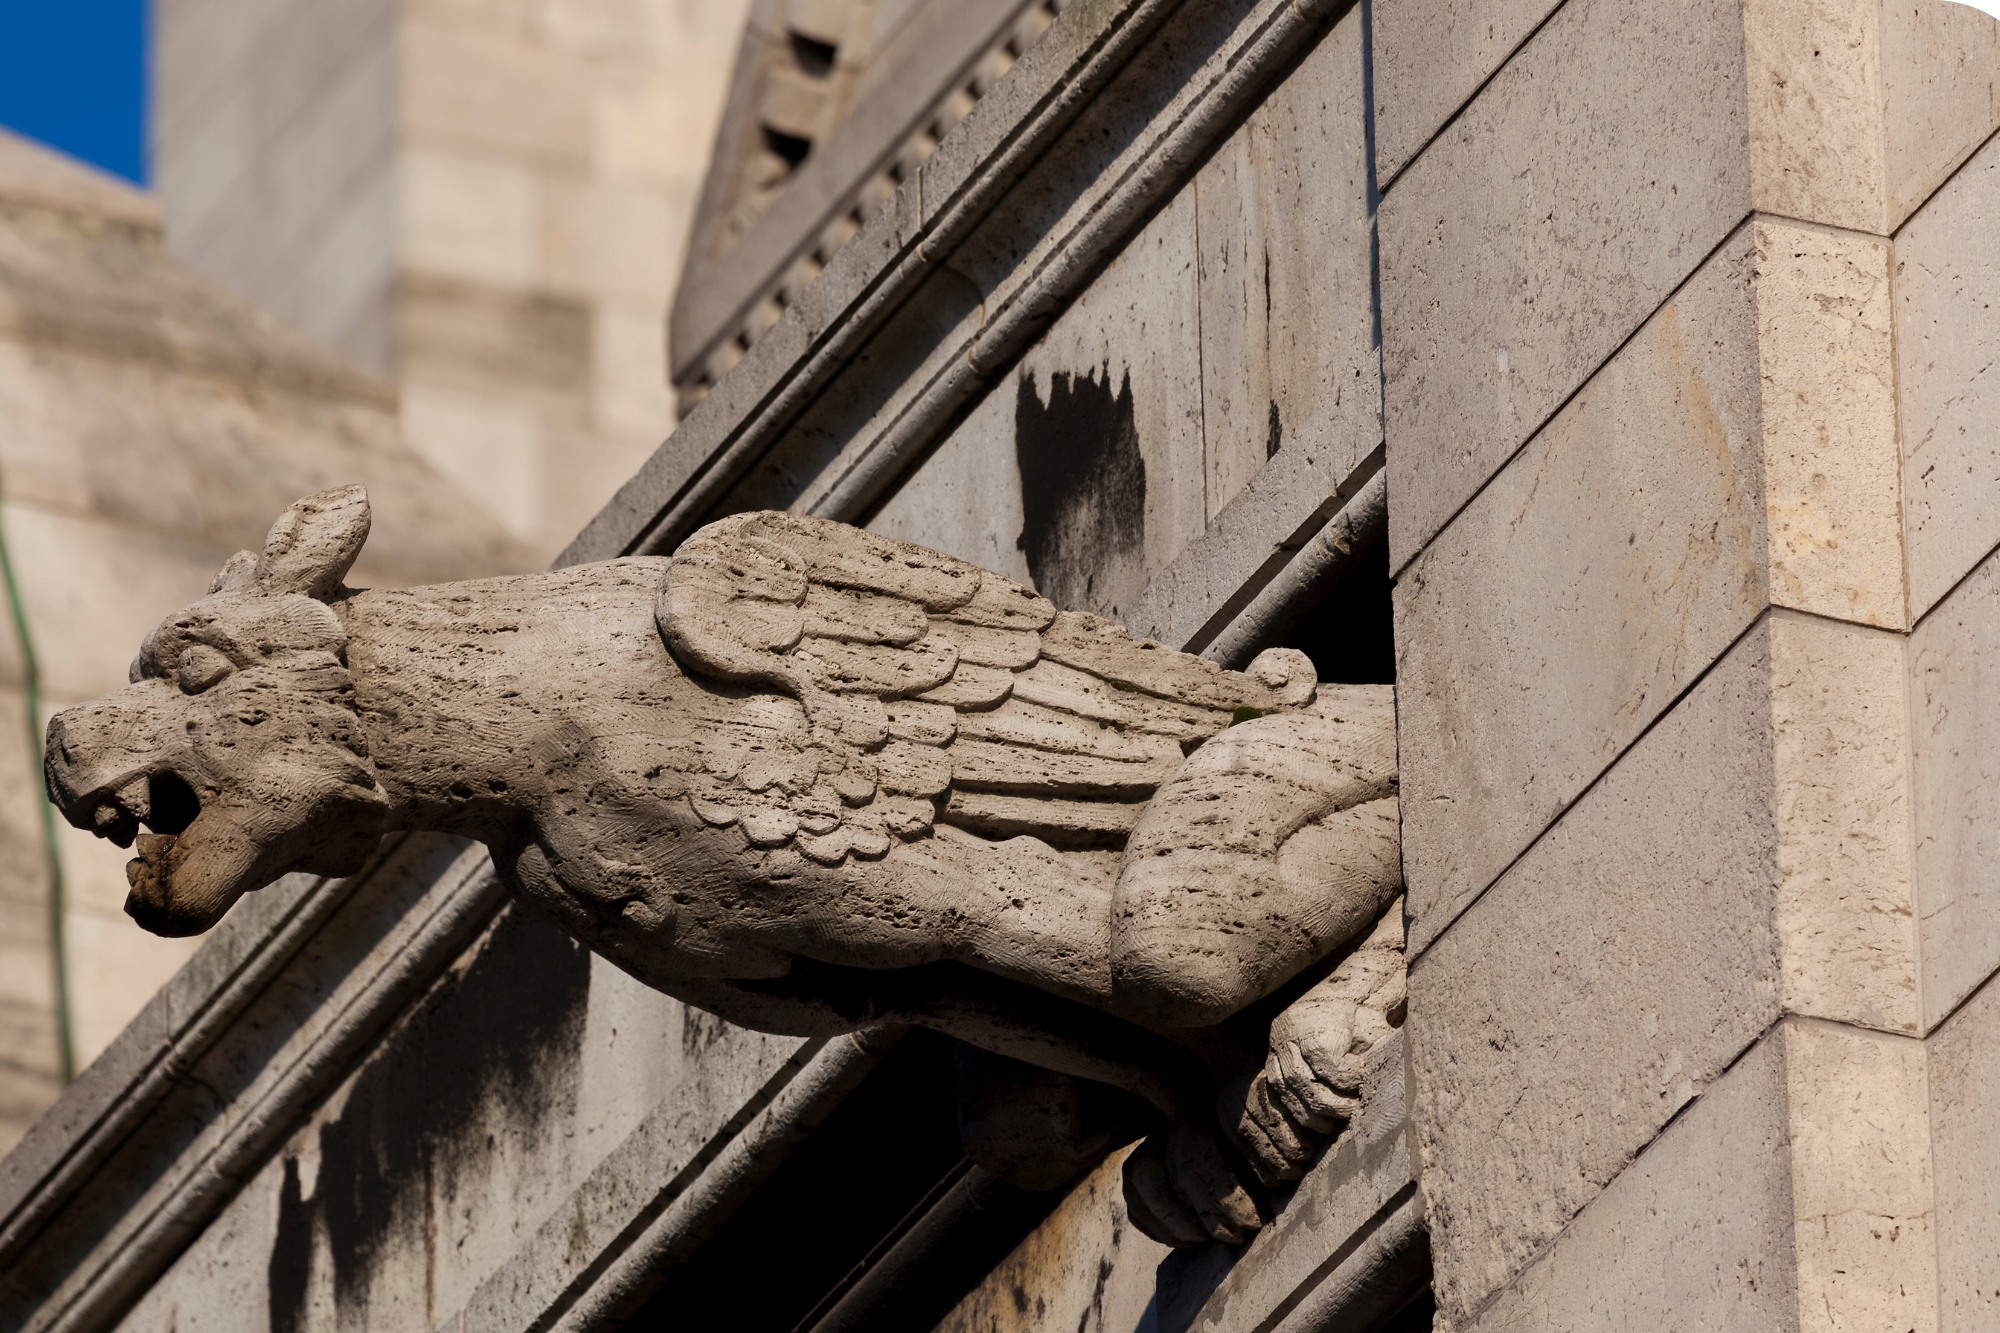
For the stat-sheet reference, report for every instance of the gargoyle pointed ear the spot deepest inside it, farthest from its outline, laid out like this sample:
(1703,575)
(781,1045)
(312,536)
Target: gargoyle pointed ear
(239,571)
(314,543)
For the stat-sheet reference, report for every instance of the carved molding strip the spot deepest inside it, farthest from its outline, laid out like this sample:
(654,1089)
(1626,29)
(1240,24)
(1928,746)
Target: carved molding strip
(1011,139)
(743,283)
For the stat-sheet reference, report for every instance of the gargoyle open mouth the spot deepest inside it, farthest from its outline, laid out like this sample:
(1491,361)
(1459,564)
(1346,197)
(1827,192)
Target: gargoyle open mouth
(167,805)
(164,804)
(161,802)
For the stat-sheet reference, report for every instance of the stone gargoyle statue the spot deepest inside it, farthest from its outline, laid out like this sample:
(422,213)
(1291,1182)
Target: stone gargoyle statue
(811,779)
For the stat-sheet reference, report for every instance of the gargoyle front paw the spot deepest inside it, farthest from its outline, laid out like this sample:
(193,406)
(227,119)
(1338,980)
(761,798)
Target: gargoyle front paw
(1181,1189)
(1310,1087)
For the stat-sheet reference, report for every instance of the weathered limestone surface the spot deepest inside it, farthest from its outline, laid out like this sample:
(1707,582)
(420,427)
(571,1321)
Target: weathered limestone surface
(1947,270)
(1284,237)
(1240,320)
(1840,738)
(1964,1092)
(967,500)
(1591,176)
(1828,417)
(1858,110)
(1695,1235)
(1734,453)
(431,1164)
(1603,983)
(1955,699)
(1596,577)
(1862,1200)
(1085,1268)
(1431,56)
(1803,722)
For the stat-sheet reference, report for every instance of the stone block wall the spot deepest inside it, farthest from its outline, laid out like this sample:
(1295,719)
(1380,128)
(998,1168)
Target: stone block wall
(1682,311)
(488,204)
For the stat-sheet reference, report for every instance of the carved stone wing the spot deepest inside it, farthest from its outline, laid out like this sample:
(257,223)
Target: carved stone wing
(928,691)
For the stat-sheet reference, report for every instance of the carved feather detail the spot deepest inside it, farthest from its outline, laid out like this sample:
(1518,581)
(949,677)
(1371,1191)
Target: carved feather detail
(912,689)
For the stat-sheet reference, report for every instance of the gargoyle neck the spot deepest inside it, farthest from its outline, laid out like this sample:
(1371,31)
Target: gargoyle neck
(440,702)
(464,690)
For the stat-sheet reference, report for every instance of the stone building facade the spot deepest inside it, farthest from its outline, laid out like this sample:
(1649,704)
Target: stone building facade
(151,419)
(485,203)
(1610,376)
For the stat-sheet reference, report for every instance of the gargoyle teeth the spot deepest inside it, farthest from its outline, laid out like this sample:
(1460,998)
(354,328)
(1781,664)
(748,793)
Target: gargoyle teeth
(147,872)
(135,797)
(113,819)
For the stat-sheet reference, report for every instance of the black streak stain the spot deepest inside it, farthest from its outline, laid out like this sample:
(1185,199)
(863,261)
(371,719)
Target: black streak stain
(1274,434)
(1083,486)
(491,1050)
(291,1256)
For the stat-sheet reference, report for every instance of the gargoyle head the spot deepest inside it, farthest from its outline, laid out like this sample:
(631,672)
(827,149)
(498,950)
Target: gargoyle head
(237,743)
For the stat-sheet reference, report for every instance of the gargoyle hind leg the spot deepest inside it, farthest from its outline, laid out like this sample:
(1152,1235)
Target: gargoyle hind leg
(1323,1050)
(1275,845)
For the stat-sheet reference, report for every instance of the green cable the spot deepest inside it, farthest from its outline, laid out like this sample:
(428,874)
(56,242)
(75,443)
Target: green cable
(31,686)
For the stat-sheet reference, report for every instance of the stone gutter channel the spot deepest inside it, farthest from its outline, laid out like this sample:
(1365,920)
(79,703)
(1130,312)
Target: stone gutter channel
(282,1002)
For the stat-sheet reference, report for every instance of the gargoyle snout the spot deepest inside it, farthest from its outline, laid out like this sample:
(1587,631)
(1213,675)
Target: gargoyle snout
(100,772)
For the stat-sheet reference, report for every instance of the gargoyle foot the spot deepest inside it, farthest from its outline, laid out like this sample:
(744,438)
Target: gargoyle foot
(1309,1089)
(1181,1189)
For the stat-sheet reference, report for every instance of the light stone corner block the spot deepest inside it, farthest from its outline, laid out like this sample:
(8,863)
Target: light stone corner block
(1845,906)
(1863,1211)
(1965,1155)
(1831,467)
(1947,279)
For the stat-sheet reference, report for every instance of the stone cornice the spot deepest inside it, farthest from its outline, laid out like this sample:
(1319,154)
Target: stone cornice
(983,229)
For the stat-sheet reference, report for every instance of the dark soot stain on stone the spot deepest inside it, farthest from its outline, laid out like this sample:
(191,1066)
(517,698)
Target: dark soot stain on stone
(496,1042)
(1083,483)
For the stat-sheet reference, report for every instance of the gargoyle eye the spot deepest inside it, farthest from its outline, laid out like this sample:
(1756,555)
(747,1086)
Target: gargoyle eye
(202,666)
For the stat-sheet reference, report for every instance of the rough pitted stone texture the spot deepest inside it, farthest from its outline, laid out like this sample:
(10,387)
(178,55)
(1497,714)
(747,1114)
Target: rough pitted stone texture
(1431,56)
(1964,1093)
(1955,791)
(1840,746)
(1831,463)
(1947,324)
(1859,110)
(812,773)
(1586,182)
(1607,979)
(1861,1179)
